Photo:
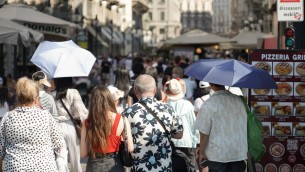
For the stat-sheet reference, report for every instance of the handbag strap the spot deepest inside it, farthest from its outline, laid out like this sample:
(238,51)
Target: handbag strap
(72,119)
(125,134)
(155,115)
(245,104)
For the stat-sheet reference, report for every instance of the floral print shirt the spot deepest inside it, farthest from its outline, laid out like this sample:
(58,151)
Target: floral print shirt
(152,147)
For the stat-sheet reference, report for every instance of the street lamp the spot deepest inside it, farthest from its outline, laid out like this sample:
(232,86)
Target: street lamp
(111,40)
(77,18)
(133,31)
(95,24)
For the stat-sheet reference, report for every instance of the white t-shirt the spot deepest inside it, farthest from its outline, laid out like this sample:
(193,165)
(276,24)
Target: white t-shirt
(199,101)
(223,117)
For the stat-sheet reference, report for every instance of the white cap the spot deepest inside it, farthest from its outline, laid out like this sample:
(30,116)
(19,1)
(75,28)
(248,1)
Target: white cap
(235,90)
(203,84)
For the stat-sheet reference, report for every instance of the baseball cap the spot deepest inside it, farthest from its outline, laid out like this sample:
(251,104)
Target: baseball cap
(203,84)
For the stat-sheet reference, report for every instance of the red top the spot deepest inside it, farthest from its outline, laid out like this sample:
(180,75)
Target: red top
(113,140)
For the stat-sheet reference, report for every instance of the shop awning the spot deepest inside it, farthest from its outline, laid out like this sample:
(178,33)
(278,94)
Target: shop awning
(99,38)
(36,20)
(106,31)
(12,33)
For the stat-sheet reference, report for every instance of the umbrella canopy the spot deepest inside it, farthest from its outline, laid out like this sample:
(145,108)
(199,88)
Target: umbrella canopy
(12,33)
(63,59)
(230,73)
(197,37)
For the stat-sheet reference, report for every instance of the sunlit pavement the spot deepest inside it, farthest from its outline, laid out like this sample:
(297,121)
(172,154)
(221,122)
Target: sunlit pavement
(84,163)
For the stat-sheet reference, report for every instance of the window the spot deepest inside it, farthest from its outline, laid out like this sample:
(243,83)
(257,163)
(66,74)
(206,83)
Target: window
(162,16)
(162,1)
(149,1)
(162,31)
(150,15)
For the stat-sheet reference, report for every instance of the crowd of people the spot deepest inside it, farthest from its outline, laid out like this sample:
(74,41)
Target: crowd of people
(38,133)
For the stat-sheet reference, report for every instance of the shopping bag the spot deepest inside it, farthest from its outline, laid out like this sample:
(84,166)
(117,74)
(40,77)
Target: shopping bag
(256,147)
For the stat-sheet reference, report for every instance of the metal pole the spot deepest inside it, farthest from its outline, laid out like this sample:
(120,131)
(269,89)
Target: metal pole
(15,62)
(279,36)
(132,43)
(124,43)
(111,41)
(96,23)
(95,41)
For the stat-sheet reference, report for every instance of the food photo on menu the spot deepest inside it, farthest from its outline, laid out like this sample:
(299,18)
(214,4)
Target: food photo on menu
(299,89)
(300,68)
(282,68)
(302,150)
(258,167)
(284,89)
(277,150)
(270,168)
(282,108)
(299,168)
(261,108)
(263,65)
(299,108)
(285,168)
(261,92)
(281,128)
(266,129)
(298,128)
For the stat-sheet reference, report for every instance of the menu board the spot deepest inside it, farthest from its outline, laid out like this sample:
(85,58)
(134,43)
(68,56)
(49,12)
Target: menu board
(281,110)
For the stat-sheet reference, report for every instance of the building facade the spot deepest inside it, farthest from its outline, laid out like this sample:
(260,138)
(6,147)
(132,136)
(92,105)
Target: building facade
(161,22)
(196,14)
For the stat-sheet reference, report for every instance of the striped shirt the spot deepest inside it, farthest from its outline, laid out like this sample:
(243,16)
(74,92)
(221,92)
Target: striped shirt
(47,103)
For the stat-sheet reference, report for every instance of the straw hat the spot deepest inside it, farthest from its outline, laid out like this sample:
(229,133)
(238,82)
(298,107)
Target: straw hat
(116,93)
(41,78)
(175,89)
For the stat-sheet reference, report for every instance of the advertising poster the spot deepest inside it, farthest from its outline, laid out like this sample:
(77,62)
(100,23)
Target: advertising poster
(282,110)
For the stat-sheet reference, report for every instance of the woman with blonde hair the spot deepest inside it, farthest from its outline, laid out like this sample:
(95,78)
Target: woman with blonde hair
(28,135)
(101,133)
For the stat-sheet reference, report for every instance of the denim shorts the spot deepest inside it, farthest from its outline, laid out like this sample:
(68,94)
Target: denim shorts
(111,163)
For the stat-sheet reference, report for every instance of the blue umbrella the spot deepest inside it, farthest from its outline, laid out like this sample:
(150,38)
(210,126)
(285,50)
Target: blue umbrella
(230,73)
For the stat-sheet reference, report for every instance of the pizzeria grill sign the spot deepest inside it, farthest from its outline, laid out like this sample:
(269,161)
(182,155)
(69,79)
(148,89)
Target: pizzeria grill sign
(281,110)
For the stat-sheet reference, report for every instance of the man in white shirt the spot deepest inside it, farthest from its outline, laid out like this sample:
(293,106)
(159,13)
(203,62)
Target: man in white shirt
(222,123)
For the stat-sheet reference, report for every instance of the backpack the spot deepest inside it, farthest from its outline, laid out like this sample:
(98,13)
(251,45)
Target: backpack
(254,134)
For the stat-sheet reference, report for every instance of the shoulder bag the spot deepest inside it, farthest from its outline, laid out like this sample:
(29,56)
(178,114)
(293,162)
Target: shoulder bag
(254,134)
(180,162)
(76,121)
(125,155)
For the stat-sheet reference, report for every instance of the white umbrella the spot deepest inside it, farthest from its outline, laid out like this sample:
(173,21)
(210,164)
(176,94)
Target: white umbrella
(63,59)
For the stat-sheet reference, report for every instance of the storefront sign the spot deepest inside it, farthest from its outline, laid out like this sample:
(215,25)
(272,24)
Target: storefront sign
(282,110)
(290,10)
(49,29)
